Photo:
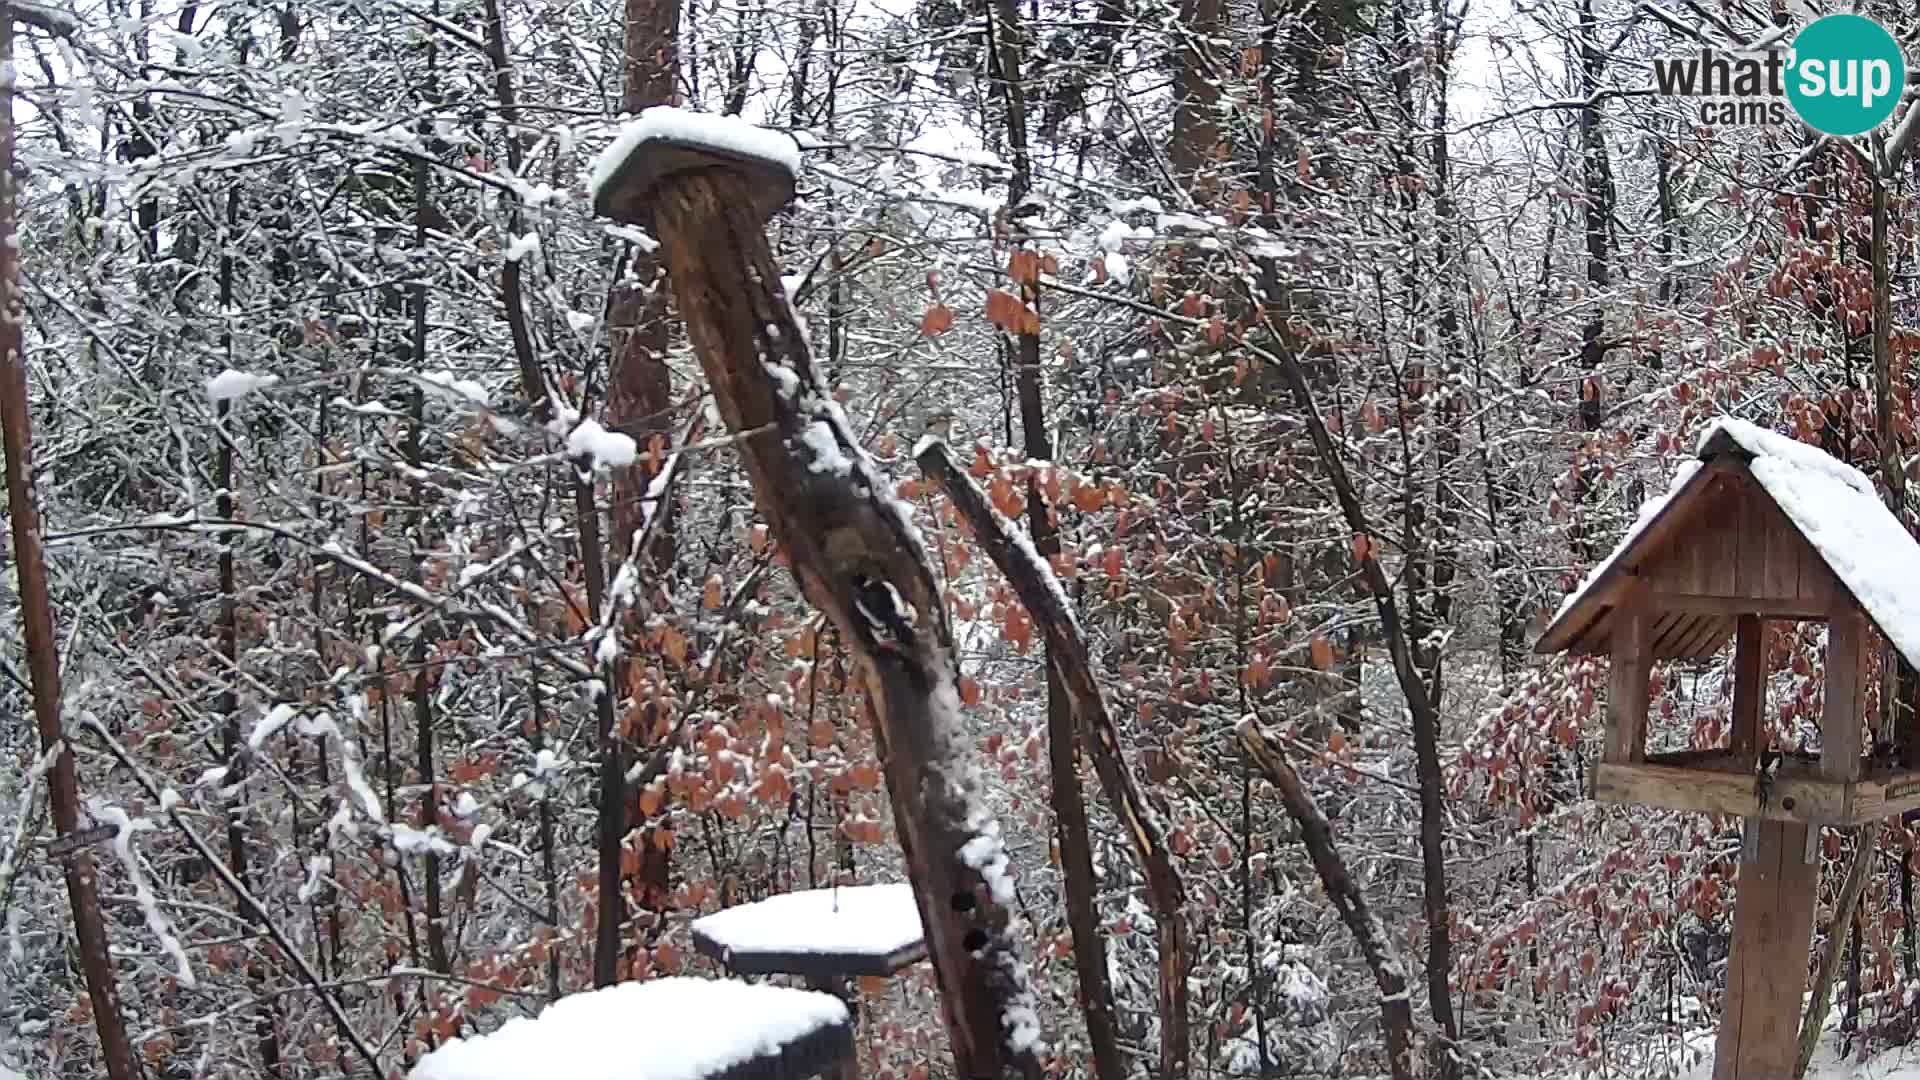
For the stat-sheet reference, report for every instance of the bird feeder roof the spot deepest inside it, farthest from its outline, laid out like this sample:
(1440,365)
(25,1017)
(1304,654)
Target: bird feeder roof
(1757,523)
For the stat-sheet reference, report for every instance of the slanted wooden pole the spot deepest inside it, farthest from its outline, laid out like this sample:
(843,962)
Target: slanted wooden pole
(36,607)
(858,557)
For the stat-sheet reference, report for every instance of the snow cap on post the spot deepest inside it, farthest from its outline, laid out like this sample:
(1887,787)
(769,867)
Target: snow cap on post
(666,141)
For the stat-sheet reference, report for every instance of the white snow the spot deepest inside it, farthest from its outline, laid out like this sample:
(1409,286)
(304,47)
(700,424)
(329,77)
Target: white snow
(456,388)
(412,841)
(523,246)
(727,134)
(231,385)
(658,1029)
(269,725)
(1836,508)
(866,920)
(608,449)
(142,892)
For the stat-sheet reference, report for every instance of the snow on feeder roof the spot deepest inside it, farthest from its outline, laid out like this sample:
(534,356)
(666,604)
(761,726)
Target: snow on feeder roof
(664,141)
(1758,523)
(824,933)
(659,1029)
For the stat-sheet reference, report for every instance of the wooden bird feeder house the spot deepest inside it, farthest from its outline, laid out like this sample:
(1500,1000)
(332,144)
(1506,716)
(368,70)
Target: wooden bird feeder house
(1759,528)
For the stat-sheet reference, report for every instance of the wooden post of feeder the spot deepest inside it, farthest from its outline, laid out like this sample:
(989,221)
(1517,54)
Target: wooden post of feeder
(1773,909)
(850,549)
(1773,914)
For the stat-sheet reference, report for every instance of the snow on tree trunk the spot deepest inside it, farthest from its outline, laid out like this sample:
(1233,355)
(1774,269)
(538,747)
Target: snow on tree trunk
(860,559)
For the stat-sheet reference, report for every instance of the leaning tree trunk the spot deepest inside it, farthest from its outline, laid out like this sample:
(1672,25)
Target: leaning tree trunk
(858,556)
(36,609)
(1070,672)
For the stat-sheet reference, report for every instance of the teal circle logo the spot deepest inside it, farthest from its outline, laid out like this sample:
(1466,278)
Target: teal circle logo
(1845,75)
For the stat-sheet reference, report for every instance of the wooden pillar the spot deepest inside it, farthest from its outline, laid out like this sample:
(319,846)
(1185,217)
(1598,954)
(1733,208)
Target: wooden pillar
(1749,700)
(1840,718)
(1767,971)
(1627,684)
(1749,689)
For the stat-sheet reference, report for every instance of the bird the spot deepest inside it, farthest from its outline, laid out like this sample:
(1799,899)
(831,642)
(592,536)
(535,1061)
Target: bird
(1765,771)
(888,617)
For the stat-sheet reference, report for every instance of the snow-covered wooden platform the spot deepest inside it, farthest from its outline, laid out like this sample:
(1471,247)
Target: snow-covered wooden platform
(819,933)
(660,1029)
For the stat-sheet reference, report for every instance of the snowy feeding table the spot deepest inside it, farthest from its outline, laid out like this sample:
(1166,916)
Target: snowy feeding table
(660,1029)
(1759,527)
(822,934)
(666,142)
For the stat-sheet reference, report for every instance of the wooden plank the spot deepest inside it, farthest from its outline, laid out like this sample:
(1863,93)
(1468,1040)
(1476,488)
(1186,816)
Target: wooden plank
(1627,684)
(1767,969)
(1704,630)
(1667,626)
(1719,544)
(74,841)
(1755,537)
(1795,798)
(1783,554)
(1840,717)
(1749,689)
(1788,607)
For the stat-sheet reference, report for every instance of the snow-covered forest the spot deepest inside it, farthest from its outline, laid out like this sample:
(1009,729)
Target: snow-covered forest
(409,628)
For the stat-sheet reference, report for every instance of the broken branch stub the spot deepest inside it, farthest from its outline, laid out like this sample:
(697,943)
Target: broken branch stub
(858,557)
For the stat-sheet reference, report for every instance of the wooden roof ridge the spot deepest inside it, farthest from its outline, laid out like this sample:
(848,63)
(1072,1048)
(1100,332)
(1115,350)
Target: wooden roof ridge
(1732,446)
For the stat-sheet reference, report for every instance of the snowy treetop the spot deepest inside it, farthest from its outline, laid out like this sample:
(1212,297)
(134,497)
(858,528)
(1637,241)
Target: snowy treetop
(658,1029)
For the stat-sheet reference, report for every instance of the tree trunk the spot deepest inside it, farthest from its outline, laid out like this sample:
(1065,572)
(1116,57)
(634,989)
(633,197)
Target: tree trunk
(1069,800)
(858,557)
(36,608)
(1071,668)
(1389,974)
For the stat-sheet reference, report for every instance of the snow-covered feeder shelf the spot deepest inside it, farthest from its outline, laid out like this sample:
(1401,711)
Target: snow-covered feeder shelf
(1760,527)
(659,1029)
(665,142)
(823,934)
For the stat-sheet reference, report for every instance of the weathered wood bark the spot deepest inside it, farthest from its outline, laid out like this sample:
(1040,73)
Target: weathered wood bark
(640,404)
(1389,973)
(859,558)
(36,608)
(1071,669)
